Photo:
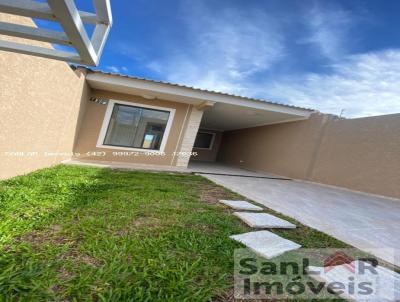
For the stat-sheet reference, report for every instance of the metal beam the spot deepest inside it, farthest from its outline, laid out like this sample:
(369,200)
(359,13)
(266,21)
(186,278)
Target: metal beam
(40,10)
(72,21)
(99,38)
(33,33)
(68,16)
(88,17)
(39,51)
(103,11)
(100,34)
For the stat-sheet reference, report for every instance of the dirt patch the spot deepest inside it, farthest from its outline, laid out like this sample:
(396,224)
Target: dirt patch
(227,297)
(140,223)
(63,273)
(207,228)
(146,222)
(53,236)
(50,236)
(211,193)
(78,257)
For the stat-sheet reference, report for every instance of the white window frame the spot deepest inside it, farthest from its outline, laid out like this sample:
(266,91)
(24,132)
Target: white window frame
(107,119)
(211,143)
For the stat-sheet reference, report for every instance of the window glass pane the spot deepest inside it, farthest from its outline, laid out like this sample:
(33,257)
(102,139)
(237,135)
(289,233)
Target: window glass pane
(122,127)
(203,140)
(136,127)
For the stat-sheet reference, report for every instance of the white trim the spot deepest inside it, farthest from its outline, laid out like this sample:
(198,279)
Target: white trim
(107,119)
(211,143)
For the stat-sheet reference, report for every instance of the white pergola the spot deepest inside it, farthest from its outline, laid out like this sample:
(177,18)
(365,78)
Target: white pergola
(72,21)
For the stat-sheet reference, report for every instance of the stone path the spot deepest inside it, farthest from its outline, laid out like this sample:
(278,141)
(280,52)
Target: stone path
(383,283)
(241,205)
(367,222)
(264,221)
(265,243)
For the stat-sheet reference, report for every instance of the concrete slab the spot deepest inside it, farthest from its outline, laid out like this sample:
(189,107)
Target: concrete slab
(361,220)
(266,244)
(241,205)
(383,283)
(214,167)
(264,221)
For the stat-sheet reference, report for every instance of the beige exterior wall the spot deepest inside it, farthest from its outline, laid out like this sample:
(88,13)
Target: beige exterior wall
(208,155)
(183,129)
(283,149)
(44,119)
(360,154)
(40,108)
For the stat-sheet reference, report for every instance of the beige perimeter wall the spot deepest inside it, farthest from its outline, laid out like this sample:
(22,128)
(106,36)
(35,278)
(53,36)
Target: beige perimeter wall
(41,106)
(360,154)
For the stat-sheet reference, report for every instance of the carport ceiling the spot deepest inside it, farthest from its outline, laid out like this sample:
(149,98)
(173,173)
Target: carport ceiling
(225,117)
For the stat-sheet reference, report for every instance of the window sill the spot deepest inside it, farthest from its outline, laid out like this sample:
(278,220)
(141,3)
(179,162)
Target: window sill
(131,149)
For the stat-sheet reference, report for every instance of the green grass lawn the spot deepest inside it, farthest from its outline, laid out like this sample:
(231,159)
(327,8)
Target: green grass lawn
(87,234)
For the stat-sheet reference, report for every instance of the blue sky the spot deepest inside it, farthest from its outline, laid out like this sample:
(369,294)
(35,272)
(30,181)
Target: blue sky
(329,55)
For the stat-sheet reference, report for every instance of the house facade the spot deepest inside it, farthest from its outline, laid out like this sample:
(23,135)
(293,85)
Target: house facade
(52,112)
(140,121)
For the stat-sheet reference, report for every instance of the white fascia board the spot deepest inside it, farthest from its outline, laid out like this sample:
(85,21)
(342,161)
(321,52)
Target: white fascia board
(161,88)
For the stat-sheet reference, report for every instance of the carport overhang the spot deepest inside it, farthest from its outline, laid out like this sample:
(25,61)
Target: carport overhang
(223,112)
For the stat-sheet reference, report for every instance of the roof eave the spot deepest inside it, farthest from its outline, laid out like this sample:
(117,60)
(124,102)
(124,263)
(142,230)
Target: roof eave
(185,94)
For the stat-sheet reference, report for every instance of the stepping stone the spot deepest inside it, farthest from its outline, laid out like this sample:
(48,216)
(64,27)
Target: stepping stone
(264,221)
(265,243)
(385,284)
(241,205)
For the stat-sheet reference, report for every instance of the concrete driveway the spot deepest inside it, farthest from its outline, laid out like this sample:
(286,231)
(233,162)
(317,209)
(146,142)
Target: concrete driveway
(368,222)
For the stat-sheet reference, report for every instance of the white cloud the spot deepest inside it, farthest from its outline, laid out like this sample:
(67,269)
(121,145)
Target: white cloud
(236,51)
(363,85)
(328,30)
(226,48)
(117,69)
(155,66)
(235,46)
